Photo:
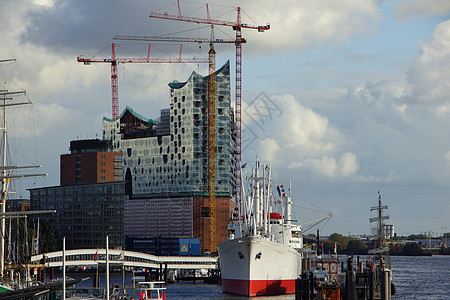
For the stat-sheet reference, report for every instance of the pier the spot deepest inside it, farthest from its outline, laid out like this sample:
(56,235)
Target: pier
(122,258)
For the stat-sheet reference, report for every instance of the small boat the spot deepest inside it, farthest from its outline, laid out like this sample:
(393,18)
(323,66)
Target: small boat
(154,290)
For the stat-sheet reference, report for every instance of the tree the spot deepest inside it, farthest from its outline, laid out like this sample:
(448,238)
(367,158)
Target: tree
(47,238)
(340,240)
(414,237)
(412,249)
(328,246)
(357,246)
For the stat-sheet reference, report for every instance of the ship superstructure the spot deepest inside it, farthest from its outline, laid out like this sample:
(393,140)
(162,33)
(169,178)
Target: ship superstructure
(262,254)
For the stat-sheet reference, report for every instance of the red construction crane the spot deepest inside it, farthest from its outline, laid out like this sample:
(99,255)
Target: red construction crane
(237,26)
(114,61)
(211,112)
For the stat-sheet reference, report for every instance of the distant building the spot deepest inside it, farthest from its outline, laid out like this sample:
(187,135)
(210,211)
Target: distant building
(165,162)
(85,213)
(90,202)
(17,205)
(164,246)
(90,161)
(388,231)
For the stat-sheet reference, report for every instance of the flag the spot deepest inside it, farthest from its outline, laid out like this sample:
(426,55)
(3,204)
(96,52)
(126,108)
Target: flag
(163,295)
(244,165)
(278,190)
(282,190)
(95,255)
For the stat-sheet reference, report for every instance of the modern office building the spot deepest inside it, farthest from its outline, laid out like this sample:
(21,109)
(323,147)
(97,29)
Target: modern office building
(17,205)
(165,162)
(85,213)
(90,201)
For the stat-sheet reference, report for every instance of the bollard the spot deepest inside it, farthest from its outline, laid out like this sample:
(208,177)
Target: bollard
(311,285)
(298,289)
(371,284)
(385,285)
(350,280)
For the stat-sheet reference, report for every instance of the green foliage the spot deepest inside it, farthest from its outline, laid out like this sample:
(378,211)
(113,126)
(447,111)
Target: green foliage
(395,248)
(412,249)
(444,251)
(47,238)
(328,246)
(357,246)
(340,240)
(414,237)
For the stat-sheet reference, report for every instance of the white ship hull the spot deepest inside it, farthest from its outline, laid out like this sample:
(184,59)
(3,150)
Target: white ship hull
(254,266)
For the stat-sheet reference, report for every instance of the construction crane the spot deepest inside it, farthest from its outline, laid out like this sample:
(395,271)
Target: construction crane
(114,61)
(237,26)
(211,111)
(142,38)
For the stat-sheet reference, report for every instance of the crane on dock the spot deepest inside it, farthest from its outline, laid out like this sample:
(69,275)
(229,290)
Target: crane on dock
(237,26)
(114,61)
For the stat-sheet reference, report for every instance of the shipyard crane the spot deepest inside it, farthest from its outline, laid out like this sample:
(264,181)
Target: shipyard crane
(114,61)
(237,26)
(211,111)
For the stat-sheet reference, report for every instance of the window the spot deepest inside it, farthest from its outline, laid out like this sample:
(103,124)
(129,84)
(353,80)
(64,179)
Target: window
(205,212)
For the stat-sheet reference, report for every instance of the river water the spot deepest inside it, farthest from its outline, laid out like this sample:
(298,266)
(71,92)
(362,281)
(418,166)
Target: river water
(426,277)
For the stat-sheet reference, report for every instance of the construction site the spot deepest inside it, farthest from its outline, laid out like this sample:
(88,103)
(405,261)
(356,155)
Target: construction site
(181,170)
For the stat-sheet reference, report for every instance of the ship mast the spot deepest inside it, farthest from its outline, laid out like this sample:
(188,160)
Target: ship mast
(381,239)
(6,175)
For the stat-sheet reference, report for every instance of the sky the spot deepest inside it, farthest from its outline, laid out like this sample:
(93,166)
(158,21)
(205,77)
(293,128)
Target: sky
(345,98)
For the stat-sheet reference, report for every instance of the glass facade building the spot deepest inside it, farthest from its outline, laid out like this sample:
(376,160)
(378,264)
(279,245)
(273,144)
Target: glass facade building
(168,156)
(85,213)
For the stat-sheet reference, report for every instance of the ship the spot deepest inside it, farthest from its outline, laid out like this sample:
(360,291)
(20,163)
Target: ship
(262,255)
(16,281)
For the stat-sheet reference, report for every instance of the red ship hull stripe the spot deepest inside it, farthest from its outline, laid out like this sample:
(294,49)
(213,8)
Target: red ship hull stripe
(258,287)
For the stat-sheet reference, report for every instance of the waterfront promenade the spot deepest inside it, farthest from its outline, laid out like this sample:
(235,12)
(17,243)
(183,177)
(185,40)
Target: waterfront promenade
(93,257)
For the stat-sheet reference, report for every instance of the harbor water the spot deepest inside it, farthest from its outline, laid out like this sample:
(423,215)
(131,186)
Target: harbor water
(415,277)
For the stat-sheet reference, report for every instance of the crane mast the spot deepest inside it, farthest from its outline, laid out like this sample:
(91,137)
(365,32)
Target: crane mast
(212,142)
(114,61)
(211,113)
(238,42)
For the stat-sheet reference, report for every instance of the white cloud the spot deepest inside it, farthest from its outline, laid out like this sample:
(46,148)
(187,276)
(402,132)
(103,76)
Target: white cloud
(52,116)
(447,157)
(299,139)
(325,166)
(45,3)
(429,73)
(305,23)
(348,164)
(411,8)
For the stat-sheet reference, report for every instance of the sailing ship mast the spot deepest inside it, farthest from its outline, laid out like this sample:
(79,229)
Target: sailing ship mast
(381,238)
(6,171)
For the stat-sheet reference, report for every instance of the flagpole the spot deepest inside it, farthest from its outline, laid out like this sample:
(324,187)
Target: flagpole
(122,256)
(64,268)
(107,269)
(97,285)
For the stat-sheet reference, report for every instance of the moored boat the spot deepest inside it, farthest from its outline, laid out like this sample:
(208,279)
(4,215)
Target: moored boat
(152,290)
(262,255)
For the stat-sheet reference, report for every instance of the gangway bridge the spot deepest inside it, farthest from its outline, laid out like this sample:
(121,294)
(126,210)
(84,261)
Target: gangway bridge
(123,258)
